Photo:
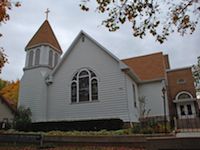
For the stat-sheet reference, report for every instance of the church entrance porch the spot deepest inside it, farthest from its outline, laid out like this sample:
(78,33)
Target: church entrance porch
(187,117)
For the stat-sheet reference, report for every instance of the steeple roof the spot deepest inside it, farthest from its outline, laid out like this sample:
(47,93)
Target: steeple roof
(45,35)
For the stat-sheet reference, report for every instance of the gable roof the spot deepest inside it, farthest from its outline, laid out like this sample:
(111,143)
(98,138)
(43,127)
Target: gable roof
(44,35)
(148,67)
(123,66)
(3,100)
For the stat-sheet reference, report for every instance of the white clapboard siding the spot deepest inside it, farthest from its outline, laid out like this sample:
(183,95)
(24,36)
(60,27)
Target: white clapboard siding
(112,92)
(33,93)
(154,97)
(5,112)
(132,96)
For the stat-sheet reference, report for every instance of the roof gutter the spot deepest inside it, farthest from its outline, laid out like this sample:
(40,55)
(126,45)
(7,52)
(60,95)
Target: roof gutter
(131,74)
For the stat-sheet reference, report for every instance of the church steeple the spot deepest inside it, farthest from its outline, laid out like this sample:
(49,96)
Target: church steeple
(43,50)
(46,36)
(42,55)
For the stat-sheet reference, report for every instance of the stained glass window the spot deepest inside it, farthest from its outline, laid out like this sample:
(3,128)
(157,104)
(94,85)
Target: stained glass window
(83,88)
(85,85)
(73,92)
(94,89)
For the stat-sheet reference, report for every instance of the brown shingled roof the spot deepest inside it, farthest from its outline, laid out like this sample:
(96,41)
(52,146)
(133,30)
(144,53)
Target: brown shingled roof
(44,34)
(7,103)
(148,67)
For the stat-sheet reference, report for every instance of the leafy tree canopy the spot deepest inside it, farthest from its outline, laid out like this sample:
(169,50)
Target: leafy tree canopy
(3,83)
(159,18)
(10,91)
(196,74)
(3,58)
(5,5)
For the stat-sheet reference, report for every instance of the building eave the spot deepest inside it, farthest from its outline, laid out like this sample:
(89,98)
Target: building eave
(43,44)
(177,69)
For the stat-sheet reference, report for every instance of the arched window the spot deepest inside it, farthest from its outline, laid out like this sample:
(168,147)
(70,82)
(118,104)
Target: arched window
(84,86)
(94,92)
(37,57)
(183,95)
(55,59)
(30,60)
(185,105)
(50,58)
(74,91)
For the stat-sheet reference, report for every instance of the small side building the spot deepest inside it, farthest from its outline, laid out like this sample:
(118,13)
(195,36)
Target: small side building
(7,112)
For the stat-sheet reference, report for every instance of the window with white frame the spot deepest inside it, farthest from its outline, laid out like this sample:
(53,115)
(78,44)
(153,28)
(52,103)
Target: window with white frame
(189,109)
(184,96)
(182,109)
(30,60)
(185,106)
(84,86)
(55,59)
(50,58)
(37,57)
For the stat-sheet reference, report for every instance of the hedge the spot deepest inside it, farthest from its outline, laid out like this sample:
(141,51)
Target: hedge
(87,125)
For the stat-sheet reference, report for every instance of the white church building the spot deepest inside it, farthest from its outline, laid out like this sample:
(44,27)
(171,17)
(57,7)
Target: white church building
(88,82)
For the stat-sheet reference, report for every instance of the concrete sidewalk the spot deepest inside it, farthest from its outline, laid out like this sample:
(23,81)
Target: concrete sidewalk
(188,134)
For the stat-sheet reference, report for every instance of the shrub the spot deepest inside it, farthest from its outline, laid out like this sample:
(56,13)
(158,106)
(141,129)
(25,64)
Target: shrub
(22,119)
(87,125)
(147,130)
(149,126)
(136,128)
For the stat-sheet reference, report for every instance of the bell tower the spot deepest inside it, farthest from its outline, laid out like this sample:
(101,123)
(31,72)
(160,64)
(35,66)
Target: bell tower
(43,50)
(42,55)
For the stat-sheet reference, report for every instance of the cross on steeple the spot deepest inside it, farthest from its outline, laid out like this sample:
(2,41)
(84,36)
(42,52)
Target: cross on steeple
(47,12)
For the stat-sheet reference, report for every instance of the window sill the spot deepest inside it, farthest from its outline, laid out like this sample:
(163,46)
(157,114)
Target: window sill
(85,102)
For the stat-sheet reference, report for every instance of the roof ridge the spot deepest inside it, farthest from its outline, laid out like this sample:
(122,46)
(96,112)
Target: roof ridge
(143,55)
(54,35)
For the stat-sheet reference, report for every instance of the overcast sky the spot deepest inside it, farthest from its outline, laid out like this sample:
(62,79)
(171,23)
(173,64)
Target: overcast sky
(67,20)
